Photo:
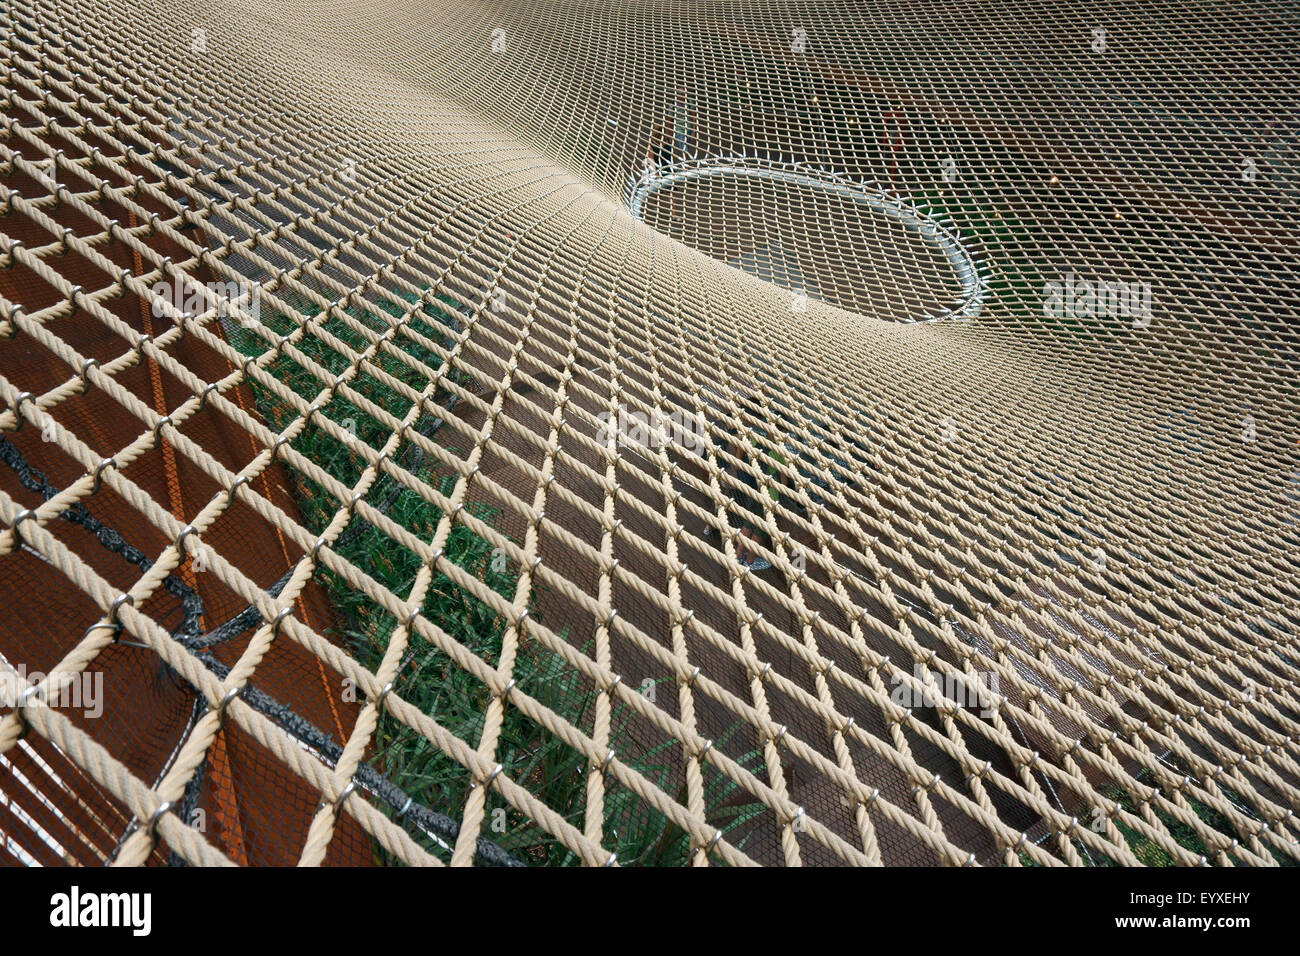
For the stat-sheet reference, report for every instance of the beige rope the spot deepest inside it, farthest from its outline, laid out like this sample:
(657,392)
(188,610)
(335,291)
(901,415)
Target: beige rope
(1098,512)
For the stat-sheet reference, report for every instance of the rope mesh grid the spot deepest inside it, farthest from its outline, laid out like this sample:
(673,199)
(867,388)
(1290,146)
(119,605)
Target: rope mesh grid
(802,433)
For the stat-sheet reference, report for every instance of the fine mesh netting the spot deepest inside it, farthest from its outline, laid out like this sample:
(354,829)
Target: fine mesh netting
(649,433)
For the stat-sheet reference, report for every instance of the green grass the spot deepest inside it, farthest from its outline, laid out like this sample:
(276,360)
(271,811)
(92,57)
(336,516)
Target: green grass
(429,679)
(1148,852)
(1152,855)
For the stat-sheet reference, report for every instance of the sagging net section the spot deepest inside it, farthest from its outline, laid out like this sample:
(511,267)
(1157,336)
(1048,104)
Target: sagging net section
(649,433)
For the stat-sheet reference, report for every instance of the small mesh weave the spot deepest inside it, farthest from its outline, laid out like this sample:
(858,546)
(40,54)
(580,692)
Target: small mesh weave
(835,433)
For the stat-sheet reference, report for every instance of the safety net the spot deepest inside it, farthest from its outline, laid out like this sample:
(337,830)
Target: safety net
(649,433)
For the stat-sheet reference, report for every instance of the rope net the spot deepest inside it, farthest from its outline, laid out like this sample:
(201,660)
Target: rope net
(649,433)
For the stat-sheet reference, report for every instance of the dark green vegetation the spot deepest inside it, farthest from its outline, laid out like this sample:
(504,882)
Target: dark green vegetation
(428,678)
(1151,854)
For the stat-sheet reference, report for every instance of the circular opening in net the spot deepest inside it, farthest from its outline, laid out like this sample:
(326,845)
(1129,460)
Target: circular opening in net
(812,232)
